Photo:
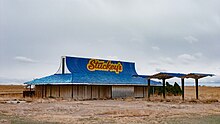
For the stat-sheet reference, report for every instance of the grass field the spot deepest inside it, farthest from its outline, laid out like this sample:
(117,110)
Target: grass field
(170,111)
(209,119)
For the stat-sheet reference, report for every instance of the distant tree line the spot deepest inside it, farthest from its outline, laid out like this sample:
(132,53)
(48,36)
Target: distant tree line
(170,89)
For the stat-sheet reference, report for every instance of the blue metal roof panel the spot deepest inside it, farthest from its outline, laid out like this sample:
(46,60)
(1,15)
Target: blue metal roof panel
(96,79)
(110,79)
(142,76)
(56,78)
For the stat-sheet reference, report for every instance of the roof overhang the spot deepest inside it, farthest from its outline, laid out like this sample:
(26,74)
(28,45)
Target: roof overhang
(197,75)
(167,75)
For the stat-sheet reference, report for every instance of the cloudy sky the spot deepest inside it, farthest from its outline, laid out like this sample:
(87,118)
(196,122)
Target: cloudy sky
(158,35)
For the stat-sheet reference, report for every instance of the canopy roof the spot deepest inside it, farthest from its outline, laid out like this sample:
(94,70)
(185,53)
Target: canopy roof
(197,75)
(167,75)
(95,72)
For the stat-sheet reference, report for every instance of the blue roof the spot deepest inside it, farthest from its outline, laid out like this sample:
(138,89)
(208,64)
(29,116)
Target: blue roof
(91,79)
(142,76)
(80,74)
(52,79)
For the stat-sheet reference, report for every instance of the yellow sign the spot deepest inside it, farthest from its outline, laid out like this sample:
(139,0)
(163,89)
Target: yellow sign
(94,65)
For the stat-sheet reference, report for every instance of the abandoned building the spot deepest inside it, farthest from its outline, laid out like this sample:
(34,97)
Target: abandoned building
(87,78)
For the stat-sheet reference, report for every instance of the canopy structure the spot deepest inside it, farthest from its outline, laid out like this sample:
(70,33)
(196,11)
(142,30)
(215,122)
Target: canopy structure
(165,75)
(197,75)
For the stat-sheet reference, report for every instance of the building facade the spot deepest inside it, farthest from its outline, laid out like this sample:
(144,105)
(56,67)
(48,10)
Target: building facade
(87,78)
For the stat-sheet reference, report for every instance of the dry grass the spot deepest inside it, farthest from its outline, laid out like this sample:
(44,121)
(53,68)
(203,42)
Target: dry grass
(128,110)
(11,91)
(205,93)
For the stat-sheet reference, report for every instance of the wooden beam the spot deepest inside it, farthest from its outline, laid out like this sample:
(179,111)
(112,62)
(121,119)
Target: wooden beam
(45,91)
(148,88)
(50,90)
(59,91)
(98,92)
(197,87)
(72,91)
(91,91)
(111,91)
(164,89)
(42,91)
(77,91)
(182,81)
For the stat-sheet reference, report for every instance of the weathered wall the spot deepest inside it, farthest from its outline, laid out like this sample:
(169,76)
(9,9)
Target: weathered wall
(122,91)
(90,92)
(65,91)
(105,92)
(73,91)
(38,91)
(139,91)
(55,91)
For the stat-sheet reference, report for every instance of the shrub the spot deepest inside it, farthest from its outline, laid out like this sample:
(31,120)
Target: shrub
(177,90)
(170,89)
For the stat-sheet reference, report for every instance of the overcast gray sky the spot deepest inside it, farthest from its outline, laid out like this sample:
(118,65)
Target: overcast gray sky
(158,35)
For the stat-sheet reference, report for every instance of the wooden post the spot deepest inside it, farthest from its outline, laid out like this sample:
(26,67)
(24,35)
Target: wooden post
(111,91)
(153,91)
(182,81)
(50,90)
(91,91)
(30,94)
(164,88)
(59,91)
(148,87)
(42,91)
(45,91)
(98,92)
(72,91)
(197,91)
(77,91)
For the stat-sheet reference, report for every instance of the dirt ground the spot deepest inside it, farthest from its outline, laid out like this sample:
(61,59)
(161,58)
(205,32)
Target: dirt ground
(172,110)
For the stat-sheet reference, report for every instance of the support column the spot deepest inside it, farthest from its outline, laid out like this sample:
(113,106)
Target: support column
(164,88)
(50,90)
(148,88)
(30,92)
(182,81)
(91,91)
(42,91)
(72,92)
(59,91)
(45,86)
(197,87)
